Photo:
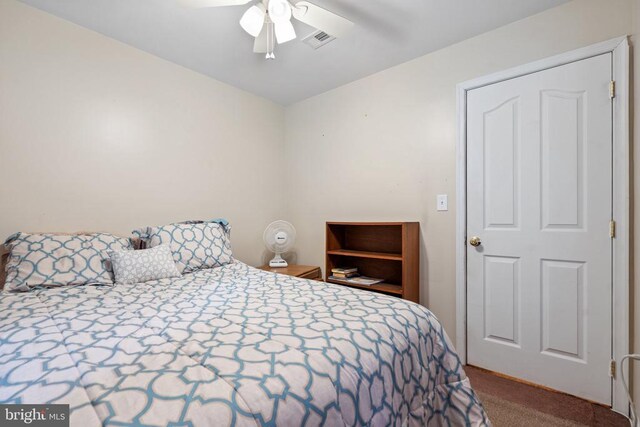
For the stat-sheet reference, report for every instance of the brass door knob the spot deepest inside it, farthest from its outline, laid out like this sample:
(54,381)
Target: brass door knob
(475,241)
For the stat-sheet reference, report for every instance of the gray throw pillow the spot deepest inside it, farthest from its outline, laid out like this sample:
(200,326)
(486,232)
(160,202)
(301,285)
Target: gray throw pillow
(144,265)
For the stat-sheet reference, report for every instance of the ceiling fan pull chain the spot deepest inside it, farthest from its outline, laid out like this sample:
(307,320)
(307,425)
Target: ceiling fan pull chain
(270,40)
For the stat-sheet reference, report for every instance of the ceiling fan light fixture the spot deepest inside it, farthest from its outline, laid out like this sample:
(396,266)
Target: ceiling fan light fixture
(279,11)
(284,31)
(270,21)
(253,20)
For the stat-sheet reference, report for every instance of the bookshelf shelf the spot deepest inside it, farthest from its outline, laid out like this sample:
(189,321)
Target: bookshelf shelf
(386,288)
(385,250)
(365,254)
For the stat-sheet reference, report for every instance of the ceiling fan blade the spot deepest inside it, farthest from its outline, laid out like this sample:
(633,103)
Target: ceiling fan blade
(260,45)
(253,20)
(284,31)
(212,3)
(322,19)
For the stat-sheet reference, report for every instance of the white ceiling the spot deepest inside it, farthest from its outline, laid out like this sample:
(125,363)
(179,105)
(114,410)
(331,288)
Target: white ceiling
(210,41)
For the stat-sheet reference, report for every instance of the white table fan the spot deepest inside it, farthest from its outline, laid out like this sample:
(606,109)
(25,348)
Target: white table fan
(279,238)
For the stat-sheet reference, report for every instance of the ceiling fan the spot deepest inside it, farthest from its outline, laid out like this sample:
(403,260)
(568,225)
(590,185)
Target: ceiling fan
(269,21)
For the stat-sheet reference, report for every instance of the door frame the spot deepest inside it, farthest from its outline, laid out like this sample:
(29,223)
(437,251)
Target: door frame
(619,47)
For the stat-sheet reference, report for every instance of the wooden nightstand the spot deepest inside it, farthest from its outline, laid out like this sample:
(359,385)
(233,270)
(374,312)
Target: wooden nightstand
(301,271)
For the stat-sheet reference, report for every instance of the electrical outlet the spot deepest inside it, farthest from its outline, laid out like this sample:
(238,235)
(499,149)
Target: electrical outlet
(442,204)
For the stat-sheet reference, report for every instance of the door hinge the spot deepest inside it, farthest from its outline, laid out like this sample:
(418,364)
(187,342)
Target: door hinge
(612,89)
(612,368)
(612,229)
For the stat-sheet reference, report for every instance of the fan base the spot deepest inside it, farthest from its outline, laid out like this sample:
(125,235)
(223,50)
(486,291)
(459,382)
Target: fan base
(275,263)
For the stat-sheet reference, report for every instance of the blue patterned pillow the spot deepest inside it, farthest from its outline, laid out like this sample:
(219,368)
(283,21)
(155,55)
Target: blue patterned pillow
(195,245)
(60,259)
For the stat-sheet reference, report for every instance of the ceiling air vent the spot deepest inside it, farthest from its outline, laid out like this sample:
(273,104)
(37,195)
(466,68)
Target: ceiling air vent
(318,39)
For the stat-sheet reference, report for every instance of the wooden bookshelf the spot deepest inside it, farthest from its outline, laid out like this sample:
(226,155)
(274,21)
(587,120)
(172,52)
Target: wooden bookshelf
(385,250)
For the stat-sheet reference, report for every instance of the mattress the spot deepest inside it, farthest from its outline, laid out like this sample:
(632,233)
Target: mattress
(232,346)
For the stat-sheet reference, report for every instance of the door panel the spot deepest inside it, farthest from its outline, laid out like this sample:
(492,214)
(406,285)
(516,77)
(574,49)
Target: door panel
(562,162)
(501,290)
(563,308)
(500,156)
(539,196)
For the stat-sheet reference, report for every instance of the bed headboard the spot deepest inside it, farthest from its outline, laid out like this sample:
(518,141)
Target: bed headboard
(4,254)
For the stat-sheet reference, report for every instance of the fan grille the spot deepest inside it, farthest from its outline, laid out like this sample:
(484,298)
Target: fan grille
(273,229)
(317,39)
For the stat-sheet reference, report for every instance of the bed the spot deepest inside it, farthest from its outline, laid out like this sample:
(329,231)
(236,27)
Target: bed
(232,345)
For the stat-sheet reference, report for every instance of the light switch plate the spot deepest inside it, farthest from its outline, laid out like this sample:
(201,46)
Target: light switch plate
(443,204)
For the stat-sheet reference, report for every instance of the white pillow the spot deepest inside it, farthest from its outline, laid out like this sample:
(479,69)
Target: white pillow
(143,265)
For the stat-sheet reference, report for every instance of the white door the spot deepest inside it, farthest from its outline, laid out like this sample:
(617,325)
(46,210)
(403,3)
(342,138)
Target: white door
(539,197)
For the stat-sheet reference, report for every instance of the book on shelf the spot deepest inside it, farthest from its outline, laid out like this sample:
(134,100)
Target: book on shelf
(344,270)
(345,275)
(359,280)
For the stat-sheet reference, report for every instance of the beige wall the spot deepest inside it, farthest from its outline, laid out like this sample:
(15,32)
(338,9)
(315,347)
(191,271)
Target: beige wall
(383,147)
(97,135)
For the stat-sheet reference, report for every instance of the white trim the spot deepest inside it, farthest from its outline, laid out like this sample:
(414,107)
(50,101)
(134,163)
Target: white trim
(621,214)
(543,64)
(619,47)
(461,225)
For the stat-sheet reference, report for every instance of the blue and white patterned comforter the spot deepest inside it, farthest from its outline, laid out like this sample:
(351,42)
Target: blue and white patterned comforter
(231,346)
